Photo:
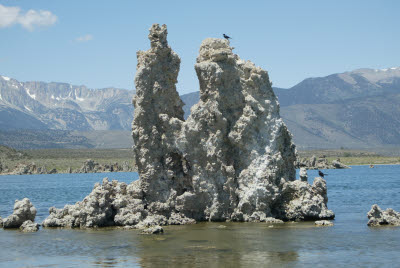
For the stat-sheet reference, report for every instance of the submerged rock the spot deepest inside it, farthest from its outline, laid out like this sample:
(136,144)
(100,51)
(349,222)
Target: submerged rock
(153,230)
(29,226)
(23,211)
(378,217)
(272,220)
(53,171)
(337,164)
(324,223)
(231,160)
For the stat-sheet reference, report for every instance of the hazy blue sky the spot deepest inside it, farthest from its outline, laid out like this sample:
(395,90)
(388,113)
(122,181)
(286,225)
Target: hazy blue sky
(94,43)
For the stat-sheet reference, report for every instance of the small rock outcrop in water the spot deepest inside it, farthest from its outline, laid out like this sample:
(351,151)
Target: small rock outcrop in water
(319,163)
(303,174)
(1,222)
(97,209)
(91,166)
(378,217)
(231,160)
(23,211)
(324,223)
(29,226)
(337,164)
(153,230)
(26,169)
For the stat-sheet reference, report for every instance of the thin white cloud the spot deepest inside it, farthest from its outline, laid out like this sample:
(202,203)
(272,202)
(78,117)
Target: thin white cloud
(84,38)
(29,20)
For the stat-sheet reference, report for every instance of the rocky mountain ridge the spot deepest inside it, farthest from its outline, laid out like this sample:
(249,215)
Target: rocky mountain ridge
(39,105)
(357,109)
(342,87)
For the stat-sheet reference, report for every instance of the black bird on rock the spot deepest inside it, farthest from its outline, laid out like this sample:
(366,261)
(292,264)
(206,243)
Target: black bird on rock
(227,37)
(321,174)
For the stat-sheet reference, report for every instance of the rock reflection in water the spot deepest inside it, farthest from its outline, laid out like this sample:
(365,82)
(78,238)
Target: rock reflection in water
(108,262)
(237,245)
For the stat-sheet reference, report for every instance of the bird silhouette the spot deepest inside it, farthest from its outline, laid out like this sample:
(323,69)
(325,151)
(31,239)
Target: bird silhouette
(227,37)
(321,174)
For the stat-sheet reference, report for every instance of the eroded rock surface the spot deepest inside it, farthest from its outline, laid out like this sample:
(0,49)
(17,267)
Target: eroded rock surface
(324,223)
(153,230)
(319,163)
(303,174)
(25,169)
(231,160)
(23,211)
(29,227)
(338,165)
(299,201)
(91,166)
(378,217)
(99,208)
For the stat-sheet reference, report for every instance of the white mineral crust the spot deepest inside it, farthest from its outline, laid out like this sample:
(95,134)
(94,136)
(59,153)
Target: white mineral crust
(378,217)
(23,211)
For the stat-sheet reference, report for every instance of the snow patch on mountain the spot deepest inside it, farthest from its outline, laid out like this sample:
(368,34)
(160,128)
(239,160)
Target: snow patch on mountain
(33,96)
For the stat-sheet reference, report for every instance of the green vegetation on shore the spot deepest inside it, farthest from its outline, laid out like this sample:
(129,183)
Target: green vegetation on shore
(62,159)
(353,157)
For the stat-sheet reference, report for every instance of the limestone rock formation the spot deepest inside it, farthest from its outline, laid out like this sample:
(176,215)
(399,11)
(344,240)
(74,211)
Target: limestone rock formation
(378,217)
(337,164)
(324,223)
(29,226)
(23,211)
(299,201)
(319,163)
(91,166)
(97,209)
(153,230)
(273,220)
(303,174)
(28,169)
(231,160)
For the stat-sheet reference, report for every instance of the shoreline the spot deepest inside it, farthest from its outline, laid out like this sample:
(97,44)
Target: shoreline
(130,171)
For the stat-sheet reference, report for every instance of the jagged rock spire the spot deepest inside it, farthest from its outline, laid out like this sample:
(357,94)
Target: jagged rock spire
(232,159)
(158,36)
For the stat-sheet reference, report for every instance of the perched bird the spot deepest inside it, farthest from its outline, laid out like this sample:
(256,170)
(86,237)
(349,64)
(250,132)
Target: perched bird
(321,174)
(227,37)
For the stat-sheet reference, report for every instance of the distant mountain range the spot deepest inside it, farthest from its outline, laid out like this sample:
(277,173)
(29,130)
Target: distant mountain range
(358,109)
(61,106)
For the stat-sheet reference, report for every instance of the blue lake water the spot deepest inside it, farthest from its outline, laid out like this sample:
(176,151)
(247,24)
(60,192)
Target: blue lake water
(349,243)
